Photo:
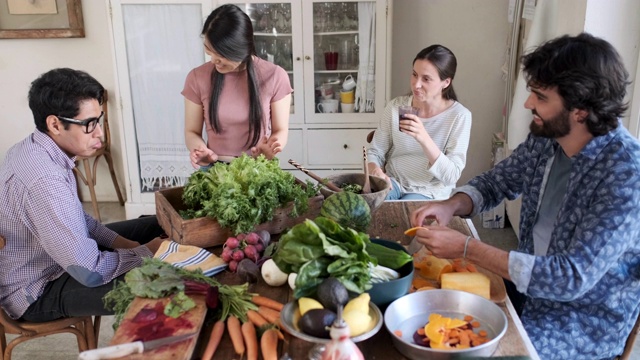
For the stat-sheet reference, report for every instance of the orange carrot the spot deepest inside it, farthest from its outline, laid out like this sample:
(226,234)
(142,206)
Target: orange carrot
(250,340)
(235,332)
(257,319)
(265,301)
(271,315)
(269,344)
(214,340)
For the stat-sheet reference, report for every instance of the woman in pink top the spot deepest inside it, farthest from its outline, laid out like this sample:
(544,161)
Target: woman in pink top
(243,100)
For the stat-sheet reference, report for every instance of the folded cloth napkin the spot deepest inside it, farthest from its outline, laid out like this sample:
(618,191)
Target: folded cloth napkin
(190,257)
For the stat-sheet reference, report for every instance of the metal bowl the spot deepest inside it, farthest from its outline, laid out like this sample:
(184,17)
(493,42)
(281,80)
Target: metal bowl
(379,187)
(290,315)
(382,294)
(412,311)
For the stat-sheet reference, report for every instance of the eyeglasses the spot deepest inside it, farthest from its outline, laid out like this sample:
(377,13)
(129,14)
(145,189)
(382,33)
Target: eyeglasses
(90,124)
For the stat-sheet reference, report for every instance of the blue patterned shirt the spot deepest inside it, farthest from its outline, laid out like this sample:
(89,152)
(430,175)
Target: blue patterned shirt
(46,229)
(583,297)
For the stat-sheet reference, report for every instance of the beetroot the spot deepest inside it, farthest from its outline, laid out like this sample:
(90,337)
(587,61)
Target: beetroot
(145,315)
(419,339)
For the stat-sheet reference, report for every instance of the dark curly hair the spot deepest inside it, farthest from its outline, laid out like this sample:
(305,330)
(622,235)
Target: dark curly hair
(588,74)
(59,92)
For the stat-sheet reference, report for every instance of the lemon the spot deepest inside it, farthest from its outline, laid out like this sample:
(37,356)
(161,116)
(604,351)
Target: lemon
(358,322)
(305,304)
(360,304)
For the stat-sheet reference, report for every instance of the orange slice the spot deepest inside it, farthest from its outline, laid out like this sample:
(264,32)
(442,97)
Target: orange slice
(412,231)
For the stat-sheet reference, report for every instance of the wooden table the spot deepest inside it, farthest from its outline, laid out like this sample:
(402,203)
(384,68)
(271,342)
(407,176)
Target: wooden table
(389,222)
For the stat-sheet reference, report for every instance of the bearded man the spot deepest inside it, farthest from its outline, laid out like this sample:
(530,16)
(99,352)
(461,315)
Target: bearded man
(575,275)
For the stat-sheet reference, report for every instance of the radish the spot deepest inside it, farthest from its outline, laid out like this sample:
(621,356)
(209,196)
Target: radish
(232,243)
(237,255)
(251,252)
(226,255)
(252,238)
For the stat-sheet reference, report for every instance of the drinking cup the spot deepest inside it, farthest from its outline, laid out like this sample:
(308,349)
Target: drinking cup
(328,106)
(406,109)
(347,97)
(326,91)
(349,83)
(347,107)
(331,60)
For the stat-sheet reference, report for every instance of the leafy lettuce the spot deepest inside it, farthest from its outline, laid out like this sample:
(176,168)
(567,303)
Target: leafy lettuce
(321,248)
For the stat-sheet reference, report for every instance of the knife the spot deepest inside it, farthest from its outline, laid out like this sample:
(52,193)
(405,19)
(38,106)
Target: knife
(136,347)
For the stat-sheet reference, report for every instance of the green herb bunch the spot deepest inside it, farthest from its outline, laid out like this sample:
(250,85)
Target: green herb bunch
(156,279)
(244,193)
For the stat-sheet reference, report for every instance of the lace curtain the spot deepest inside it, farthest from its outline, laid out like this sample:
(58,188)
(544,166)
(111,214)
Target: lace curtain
(163,45)
(366,87)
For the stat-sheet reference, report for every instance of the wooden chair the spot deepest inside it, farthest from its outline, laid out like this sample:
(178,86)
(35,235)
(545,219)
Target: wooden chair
(82,327)
(631,340)
(89,176)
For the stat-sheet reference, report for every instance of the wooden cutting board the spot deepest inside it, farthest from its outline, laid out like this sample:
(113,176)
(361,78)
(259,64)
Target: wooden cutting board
(497,288)
(153,327)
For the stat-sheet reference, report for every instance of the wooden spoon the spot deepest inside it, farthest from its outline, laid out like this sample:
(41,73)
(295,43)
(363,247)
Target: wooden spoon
(322,181)
(366,188)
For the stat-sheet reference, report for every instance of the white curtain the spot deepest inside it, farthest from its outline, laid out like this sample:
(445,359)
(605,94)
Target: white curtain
(163,43)
(545,26)
(366,86)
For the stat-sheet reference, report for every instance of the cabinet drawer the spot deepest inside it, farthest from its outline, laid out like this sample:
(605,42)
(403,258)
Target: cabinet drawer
(336,147)
(294,149)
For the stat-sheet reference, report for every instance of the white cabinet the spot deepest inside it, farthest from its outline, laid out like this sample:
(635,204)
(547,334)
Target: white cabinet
(157,42)
(320,43)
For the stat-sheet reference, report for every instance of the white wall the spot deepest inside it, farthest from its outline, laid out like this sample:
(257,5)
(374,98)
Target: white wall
(22,61)
(477,32)
(617,22)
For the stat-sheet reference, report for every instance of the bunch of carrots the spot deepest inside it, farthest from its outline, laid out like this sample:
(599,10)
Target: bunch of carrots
(245,336)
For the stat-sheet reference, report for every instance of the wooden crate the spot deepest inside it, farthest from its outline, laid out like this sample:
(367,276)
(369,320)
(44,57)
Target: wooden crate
(205,232)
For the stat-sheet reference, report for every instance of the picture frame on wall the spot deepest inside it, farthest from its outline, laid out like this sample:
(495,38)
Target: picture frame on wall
(41,19)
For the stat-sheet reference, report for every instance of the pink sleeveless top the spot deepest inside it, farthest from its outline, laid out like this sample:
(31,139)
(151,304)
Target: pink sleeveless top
(233,105)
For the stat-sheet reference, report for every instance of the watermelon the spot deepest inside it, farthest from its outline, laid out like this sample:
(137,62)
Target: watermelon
(347,209)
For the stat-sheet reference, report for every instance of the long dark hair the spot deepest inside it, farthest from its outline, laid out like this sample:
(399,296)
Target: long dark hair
(229,31)
(59,92)
(446,63)
(588,73)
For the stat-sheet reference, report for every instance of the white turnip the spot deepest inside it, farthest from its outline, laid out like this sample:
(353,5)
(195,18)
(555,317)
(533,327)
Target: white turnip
(272,274)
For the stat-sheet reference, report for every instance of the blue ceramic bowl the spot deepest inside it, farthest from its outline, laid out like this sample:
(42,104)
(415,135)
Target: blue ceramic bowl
(382,294)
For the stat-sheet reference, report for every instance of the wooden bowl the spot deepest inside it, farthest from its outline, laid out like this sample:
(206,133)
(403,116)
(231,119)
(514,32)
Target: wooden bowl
(379,187)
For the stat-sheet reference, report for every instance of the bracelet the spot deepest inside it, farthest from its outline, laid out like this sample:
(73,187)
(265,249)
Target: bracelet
(466,243)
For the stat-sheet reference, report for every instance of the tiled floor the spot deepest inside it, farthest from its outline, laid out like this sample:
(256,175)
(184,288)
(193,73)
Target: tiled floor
(63,346)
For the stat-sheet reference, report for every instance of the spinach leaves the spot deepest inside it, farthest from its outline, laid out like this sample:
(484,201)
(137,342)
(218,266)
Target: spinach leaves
(321,248)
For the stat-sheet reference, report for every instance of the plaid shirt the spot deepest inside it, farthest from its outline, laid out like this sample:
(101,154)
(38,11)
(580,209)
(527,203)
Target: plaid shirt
(46,229)
(582,297)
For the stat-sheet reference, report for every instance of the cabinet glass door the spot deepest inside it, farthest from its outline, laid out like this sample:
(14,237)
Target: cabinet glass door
(343,67)
(274,24)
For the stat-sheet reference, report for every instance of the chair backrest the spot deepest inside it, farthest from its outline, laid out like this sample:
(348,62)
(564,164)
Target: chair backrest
(105,123)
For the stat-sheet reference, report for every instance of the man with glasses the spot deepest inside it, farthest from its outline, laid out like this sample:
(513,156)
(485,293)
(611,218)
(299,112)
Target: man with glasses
(58,261)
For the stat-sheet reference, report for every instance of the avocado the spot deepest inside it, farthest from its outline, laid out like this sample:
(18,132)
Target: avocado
(332,293)
(317,322)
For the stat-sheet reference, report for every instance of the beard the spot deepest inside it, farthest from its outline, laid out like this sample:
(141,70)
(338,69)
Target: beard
(553,128)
